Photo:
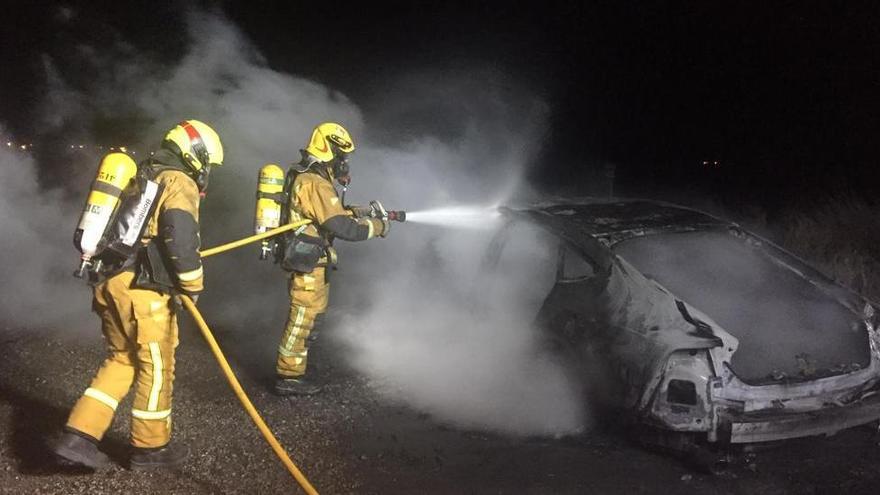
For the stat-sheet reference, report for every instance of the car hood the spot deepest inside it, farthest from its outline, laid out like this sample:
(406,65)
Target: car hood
(790,328)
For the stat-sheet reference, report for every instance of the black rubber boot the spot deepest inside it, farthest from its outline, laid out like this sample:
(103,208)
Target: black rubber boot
(296,386)
(78,449)
(317,329)
(317,351)
(158,458)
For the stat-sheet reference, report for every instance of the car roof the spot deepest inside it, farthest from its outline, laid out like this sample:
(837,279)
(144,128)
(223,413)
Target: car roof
(596,225)
(612,221)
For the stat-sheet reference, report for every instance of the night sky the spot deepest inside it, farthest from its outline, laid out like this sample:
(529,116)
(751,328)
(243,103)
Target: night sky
(784,95)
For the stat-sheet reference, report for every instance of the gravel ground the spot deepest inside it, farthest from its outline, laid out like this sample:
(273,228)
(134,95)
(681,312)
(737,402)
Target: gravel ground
(348,440)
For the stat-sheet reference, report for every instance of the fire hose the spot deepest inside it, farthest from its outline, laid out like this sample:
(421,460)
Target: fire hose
(300,478)
(227,370)
(254,238)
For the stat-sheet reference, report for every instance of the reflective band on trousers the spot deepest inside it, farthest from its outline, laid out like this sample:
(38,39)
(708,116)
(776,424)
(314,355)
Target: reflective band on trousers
(156,355)
(141,414)
(300,355)
(101,397)
(297,327)
(190,275)
(371,232)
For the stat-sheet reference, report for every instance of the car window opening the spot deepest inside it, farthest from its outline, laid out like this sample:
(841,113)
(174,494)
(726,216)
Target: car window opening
(572,266)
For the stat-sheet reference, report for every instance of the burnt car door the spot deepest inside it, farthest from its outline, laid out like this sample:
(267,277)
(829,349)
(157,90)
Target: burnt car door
(569,313)
(574,319)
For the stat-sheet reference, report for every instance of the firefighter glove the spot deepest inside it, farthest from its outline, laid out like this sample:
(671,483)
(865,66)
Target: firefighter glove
(178,304)
(361,211)
(386,227)
(377,210)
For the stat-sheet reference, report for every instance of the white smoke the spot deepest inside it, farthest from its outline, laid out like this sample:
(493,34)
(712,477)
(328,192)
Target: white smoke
(457,340)
(467,143)
(36,244)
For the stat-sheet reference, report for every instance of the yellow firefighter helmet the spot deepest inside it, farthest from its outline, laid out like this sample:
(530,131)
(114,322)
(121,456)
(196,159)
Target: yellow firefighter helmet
(199,145)
(327,140)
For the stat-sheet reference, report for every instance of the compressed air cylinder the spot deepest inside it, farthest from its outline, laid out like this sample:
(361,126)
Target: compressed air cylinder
(268,215)
(114,174)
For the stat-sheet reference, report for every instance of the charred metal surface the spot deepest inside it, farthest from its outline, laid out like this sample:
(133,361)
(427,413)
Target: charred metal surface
(789,329)
(614,222)
(648,337)
(701,329)
(685,413)
(769,427)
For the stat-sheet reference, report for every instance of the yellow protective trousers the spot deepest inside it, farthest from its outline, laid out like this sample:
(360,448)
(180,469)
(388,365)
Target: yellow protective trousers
(309,293)
(140,330)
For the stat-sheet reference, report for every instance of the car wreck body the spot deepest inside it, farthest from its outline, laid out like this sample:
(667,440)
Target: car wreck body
(707,329)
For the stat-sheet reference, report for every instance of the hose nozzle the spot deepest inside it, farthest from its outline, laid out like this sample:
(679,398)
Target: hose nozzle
(379,211)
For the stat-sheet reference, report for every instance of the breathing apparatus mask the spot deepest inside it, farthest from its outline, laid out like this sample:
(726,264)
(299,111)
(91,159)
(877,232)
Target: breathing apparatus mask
(341,171)
(339,166)
(201,175)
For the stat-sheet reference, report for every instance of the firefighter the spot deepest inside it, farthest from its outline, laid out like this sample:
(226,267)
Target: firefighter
(134,297)
(309,254)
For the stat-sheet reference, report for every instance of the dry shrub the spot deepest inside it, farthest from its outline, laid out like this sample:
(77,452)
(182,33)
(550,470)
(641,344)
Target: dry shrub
(842,238)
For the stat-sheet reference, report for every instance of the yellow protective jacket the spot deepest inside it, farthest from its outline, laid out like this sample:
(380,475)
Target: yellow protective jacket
(175,226)
(313,197)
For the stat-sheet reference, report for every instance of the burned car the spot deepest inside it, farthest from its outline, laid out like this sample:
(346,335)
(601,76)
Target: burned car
(708,330)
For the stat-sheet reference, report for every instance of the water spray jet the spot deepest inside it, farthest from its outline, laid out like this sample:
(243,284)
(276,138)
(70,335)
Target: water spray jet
(469,217)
